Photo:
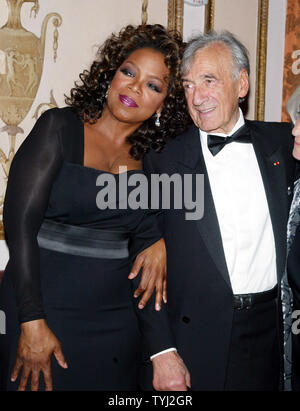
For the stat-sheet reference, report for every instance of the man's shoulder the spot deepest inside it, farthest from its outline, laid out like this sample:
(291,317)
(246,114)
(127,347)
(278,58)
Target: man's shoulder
(173,146)
(274,135)
(269,126)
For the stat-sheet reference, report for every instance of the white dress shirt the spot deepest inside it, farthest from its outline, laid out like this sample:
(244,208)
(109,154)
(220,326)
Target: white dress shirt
(243,214)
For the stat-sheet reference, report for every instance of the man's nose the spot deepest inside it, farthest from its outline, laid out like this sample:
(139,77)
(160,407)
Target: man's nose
(199,95)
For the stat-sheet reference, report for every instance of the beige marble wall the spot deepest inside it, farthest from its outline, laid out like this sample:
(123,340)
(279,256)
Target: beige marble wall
(240,17)
(86,23)
(194,21)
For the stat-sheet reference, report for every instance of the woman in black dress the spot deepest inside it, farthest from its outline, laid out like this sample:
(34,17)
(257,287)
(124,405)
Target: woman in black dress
(65,290)
(293,262)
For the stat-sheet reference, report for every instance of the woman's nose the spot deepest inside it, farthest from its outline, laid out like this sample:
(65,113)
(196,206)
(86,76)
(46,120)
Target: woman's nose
(135,86)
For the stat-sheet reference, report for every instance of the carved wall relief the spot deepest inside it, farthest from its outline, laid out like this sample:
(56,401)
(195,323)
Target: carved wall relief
(21,66)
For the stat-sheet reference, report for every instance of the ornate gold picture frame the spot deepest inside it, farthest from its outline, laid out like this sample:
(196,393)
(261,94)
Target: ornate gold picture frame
(175,21)
(261,59)
(176,15)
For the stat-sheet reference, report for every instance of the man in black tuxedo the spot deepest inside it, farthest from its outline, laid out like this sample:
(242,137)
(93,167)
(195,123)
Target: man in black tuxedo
(224,270)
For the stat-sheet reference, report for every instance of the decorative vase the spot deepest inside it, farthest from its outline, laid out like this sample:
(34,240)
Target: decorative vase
(21,65)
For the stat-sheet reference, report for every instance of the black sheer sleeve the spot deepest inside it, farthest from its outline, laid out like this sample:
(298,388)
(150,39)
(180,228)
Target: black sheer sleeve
(33,170)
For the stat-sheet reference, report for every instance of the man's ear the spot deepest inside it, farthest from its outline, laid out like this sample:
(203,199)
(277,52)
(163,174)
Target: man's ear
(243,83)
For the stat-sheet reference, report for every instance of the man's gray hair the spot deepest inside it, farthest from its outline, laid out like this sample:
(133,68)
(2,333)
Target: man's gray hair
(238,50)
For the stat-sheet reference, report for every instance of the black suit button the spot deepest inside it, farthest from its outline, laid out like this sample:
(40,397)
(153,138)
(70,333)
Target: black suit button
(186,320)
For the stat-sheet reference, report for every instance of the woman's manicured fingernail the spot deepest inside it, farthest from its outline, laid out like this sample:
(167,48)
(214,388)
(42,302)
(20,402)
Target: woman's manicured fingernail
(157,307)
(141,306)
(131,276)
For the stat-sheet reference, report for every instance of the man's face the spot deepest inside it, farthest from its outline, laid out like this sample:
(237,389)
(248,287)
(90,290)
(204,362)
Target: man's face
(212,93)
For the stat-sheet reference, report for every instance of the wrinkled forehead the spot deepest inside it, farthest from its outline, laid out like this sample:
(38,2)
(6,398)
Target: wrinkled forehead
(215,56)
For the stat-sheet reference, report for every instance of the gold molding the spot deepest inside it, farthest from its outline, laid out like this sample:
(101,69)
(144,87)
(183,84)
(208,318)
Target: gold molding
(175,15)
(2,234)
(261,57)
(209,15)
(144,12)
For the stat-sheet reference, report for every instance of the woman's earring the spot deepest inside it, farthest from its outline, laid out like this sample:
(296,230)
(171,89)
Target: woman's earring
(106,94)
(157,122)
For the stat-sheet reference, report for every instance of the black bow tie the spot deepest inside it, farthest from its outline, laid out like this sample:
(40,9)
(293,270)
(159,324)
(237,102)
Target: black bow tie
(216,143)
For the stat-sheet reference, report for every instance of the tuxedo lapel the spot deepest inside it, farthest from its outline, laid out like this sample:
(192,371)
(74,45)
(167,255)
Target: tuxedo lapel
(271,163)
(192,161)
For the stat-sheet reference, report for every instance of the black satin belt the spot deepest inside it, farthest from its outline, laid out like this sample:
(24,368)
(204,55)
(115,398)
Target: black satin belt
(83,241)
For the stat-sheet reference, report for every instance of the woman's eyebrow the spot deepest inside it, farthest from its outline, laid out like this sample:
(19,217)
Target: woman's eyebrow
(153,76)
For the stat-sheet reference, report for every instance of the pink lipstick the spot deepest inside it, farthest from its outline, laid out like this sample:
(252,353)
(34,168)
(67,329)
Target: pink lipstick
(127,101)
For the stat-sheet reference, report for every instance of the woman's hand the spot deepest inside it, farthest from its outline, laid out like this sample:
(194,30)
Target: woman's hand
(153,260)
(36,345)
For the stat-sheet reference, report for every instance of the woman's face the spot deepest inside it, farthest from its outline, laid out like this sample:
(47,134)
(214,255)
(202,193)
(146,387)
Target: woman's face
(139,87)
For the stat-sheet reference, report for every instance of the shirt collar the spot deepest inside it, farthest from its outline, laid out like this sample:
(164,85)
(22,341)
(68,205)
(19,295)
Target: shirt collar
(238,124)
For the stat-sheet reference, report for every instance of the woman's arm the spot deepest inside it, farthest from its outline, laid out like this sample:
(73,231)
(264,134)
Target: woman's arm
(33,170)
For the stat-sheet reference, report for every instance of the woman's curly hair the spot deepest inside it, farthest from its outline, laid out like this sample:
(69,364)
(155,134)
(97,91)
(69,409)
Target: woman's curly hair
(88,98)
